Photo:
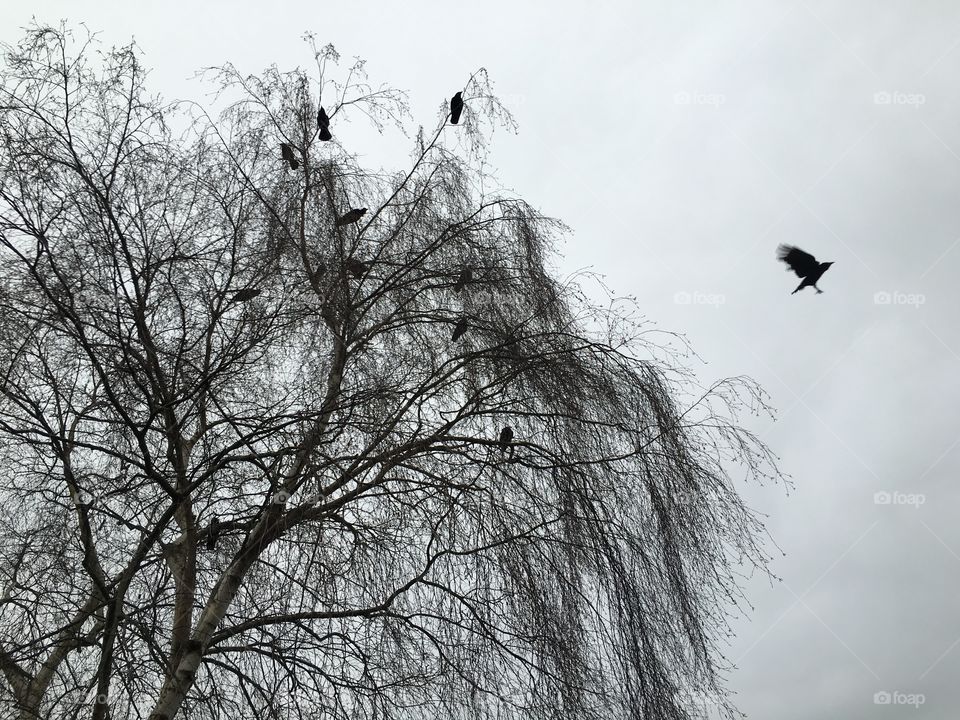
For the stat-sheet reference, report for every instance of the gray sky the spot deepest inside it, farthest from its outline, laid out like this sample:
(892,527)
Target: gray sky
(682,142)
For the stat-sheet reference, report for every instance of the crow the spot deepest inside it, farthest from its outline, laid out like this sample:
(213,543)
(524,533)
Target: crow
(456,107)
(357,268)
(351,217)
(244,295)
(323,122)
(506,437)
(804,265)
(288,156)
(465,276)
(213,534)
(459,330)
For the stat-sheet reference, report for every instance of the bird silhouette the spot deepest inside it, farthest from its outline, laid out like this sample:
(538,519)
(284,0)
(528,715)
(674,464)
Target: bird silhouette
(213,533)
(456,107)
(459,330)
(351,217)
(245,294)
(287,152)
(465,276)
(804,265)
(357,268)
(323,122)
(506,438)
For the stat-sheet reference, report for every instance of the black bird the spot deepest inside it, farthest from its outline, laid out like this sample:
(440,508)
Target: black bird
(213,533)
(323,122)
(351,217)
(506,437)
(463,278)
(804,265)
(456,107)
(244,295)
(459,330)
(287,152)
(357,268)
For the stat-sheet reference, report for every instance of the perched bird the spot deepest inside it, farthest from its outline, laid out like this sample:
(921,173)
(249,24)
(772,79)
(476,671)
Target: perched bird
(465,276)
(506,437)
(456,107)
(245,294)
(357,268)
(804,265)
(351,217)
(288,156)
(213,533)
(323,122)
(459,330)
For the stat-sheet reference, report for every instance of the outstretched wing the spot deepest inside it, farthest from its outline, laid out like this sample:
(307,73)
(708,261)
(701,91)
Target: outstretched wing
(802,263)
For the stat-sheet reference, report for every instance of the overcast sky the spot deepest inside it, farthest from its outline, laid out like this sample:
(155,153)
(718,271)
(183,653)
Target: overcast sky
(682,142)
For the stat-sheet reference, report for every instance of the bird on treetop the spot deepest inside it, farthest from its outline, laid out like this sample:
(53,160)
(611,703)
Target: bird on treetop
(323,122)
(456,107)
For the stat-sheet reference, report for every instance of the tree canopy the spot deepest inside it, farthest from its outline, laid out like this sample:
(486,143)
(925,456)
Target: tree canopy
(248,473)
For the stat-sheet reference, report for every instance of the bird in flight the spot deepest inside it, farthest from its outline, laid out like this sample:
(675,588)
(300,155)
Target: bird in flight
(351,217)
(287,152)
(456,107)
(804,265)
(323,122)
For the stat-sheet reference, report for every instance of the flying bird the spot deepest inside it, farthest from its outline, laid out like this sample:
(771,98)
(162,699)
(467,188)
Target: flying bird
(323,122)
(804,265)
(357,268)
(287,152)
(465,276)
(245,294)
(213,533)
(456,107)
(459,330)
(351,217)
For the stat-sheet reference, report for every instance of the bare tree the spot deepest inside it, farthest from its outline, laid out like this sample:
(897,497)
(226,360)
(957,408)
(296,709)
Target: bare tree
(248,473)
